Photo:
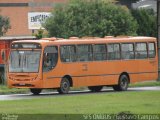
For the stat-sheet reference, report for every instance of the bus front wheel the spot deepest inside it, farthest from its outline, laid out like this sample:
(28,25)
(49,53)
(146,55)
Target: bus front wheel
(122,83)
(35,91)
(64,86)
(95,88)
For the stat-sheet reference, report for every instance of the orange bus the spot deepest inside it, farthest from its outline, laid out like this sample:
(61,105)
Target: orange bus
(74,62)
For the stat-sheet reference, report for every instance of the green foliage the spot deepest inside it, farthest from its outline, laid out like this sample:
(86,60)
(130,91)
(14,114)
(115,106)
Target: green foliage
(146,20)
(90,18)
(39,34)
(4,25)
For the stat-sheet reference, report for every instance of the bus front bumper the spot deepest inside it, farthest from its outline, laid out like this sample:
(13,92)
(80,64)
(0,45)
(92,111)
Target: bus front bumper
(25,84)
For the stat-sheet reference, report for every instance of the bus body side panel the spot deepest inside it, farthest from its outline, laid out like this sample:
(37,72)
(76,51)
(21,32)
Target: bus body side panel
(88,73)
(94,73)
(99,73)
(51,79)
(147,70)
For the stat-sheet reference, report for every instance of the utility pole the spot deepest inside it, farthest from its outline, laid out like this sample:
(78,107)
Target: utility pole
(158,36)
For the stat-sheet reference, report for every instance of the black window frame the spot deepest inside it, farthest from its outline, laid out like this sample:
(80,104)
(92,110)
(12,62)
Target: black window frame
(69,54)
(47,70)
(99,52)
(87,53)
(154,49)
(141,51)
(118,52)
(129,51)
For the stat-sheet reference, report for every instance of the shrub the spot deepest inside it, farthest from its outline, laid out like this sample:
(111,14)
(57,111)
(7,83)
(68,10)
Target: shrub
(146,20)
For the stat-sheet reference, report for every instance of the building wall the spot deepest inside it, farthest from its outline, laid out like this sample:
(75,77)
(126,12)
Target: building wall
(127,3)
(149,4)
(17,11)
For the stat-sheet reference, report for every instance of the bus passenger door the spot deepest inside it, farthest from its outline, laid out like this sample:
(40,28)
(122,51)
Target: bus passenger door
(50,58)
(146,57)
(153,62)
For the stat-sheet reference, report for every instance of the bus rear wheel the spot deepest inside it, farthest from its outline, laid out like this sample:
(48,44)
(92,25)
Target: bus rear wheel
(95,88)
(122,83)
(64,86)
(35,91)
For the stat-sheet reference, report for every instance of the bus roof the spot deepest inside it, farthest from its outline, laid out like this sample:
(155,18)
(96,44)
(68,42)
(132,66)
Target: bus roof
(76,40)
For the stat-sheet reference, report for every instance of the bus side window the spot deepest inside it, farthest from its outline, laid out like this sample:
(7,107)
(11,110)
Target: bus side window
(113,51)
(99,51)
(84,52)
(127,51)
(151,50)
(68,53)
(50,58)
(141,50)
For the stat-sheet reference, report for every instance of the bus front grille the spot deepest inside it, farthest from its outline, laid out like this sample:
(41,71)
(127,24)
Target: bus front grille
(23,85)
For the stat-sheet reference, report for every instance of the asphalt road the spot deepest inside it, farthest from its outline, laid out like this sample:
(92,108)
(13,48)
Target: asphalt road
(55,94)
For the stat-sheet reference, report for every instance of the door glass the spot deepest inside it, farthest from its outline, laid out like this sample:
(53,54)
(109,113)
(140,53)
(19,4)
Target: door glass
(50,58)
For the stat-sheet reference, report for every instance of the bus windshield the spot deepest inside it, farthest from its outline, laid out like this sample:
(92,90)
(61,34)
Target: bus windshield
(24,61)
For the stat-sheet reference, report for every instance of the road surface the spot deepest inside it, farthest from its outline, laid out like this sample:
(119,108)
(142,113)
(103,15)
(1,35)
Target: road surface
(55,94)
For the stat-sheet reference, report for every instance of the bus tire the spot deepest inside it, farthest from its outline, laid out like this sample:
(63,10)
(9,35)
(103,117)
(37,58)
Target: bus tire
(64,86)
(122,83)
(35,91)
(95,88)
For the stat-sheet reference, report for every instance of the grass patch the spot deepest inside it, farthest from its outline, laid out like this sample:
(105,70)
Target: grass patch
(135,102)
(5,90)
(145,84)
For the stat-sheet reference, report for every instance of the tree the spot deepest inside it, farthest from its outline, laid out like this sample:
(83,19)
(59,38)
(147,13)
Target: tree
(146,20)
(4,25)
(90,18)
